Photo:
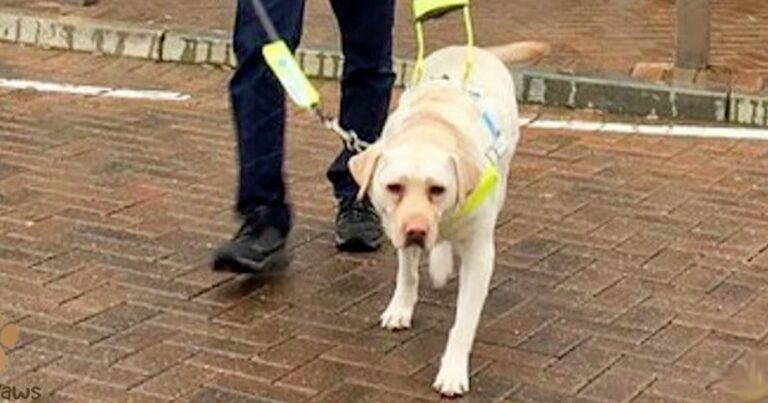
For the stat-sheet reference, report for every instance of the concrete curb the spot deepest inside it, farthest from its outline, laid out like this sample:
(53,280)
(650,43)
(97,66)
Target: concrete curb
(610,93)
(77,34)
(622,95)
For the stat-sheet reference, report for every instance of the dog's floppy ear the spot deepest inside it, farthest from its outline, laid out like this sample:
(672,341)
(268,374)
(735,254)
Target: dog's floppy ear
(467,176)
(362,166)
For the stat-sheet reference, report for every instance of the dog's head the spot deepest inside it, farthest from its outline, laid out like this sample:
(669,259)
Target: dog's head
(413,184)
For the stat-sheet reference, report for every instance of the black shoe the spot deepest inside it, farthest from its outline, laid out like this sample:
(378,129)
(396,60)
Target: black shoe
(257,248)
(358,227)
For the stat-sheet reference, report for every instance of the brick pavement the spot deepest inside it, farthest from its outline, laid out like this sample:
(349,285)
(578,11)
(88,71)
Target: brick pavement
(600,35)
(629,268)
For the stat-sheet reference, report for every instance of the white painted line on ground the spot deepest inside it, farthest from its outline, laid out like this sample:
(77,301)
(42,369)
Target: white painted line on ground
(574,125)
(92,90)
(646,129)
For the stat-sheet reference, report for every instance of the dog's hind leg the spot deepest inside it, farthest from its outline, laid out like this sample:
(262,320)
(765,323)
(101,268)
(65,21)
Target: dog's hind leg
(441,264)
(399,312)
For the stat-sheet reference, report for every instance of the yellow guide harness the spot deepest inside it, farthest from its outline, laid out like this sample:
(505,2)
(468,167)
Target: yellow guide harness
(283,64)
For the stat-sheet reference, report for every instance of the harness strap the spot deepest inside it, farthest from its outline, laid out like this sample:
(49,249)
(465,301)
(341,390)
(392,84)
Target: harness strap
(491,176)
(488,182)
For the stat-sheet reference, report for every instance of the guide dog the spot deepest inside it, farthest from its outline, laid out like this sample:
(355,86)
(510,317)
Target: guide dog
(430,160)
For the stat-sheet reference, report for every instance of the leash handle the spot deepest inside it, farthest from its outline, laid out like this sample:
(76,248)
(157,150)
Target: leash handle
(283,64)
(280,60)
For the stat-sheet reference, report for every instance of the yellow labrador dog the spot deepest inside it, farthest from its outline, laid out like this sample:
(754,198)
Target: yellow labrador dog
(427,164)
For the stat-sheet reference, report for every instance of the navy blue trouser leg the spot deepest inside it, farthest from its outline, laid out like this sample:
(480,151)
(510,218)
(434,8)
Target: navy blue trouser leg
(366,85)
(258,104)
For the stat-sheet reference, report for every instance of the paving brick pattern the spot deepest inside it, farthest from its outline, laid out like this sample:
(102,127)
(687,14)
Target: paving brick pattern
(629,268)
(600,35)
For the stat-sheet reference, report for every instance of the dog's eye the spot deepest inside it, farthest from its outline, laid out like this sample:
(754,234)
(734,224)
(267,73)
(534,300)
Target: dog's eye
(436,190)
(395,188)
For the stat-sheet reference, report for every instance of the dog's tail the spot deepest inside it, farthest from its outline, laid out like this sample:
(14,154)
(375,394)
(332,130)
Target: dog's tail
(441,264)
(521,52)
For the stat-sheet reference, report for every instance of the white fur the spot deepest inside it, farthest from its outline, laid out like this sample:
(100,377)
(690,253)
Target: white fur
(441,264)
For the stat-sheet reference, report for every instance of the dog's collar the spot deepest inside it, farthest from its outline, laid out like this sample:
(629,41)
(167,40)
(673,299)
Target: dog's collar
(490,176)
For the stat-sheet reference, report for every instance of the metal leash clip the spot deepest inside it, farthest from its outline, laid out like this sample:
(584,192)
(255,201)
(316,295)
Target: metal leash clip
(350,139)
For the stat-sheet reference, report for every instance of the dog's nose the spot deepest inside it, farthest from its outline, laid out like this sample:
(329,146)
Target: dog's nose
(415,237)
(415,229)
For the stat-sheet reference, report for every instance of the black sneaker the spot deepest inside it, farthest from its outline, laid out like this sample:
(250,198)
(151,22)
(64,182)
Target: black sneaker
(358,227)
(257,248)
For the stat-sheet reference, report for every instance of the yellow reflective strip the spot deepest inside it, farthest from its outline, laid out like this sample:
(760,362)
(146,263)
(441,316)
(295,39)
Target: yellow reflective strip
(418,70)
(470,44)
(488,182)
(426,9)
(285,67)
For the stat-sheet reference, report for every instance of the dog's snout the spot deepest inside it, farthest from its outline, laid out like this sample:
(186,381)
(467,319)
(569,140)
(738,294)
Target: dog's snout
(415,237)
(415,230)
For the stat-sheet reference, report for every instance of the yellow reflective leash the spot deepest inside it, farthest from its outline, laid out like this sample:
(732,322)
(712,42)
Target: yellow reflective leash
(300,90)
(281,61)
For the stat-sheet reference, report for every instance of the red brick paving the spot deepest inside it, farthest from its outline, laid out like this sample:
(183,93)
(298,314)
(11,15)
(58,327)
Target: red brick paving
(630,268)
(600,35)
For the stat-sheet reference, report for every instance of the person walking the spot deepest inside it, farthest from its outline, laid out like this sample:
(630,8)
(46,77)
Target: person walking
(258,104)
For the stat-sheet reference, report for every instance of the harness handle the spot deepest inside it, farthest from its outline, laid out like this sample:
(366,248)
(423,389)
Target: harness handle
(428,9)
(424,10)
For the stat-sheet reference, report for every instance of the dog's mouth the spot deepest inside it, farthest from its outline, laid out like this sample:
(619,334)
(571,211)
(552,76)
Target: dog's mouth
(416,238)
(415,243)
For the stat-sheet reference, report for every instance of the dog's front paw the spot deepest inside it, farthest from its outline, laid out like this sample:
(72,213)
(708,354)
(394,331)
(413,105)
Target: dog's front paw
(452,379)
(396,317)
